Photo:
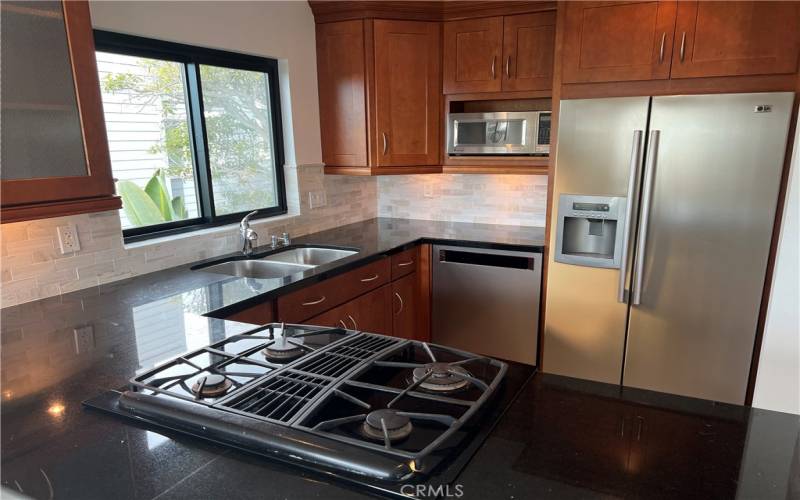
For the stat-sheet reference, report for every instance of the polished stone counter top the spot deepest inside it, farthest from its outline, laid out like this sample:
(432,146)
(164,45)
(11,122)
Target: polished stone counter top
(562,438)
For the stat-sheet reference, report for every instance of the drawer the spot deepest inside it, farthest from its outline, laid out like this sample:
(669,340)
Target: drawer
(404,262)
(298,306)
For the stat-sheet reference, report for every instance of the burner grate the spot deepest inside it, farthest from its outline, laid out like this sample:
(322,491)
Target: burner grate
(338,360)
(280,397)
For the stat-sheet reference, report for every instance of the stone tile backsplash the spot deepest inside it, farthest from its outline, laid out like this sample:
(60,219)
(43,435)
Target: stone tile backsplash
(32,267)
(519,200)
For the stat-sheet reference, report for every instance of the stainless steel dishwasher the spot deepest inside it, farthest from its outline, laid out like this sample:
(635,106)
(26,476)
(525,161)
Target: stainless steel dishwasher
(487,301)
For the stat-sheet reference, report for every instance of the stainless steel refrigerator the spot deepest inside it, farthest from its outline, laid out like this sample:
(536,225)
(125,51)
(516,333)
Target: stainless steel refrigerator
(663,215)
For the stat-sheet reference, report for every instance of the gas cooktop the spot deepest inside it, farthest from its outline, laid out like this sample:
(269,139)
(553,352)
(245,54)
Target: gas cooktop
(378,411)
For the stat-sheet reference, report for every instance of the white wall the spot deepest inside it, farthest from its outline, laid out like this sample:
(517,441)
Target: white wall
(778,379)
(283,30)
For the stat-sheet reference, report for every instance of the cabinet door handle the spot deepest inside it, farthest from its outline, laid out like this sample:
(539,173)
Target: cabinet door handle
(661,50)
(367,280)
(401,303)
(314,302)
(639,428)
(404,264)
(355,325)
(344,325)
(385,142)
(622,427)
(494,59)
(683,45)
(508,67)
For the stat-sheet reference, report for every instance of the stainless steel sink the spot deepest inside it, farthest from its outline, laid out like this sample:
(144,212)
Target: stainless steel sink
(308,256)
(280,264)
(256,269)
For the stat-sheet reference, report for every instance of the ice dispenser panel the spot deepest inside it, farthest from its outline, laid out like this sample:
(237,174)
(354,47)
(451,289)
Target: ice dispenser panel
(589,231)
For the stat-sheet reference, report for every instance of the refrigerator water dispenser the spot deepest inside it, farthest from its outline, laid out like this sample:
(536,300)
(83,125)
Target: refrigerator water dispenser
(590,230)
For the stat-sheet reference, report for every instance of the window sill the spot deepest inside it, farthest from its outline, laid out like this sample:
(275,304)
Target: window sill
(231,228)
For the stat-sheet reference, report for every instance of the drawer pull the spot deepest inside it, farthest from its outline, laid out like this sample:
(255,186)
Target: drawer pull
(344,325)
(404,264)
(367,280)
(355,325)
(314,302)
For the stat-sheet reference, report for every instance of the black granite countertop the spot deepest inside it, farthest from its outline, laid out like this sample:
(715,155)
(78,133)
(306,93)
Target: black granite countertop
(561,438)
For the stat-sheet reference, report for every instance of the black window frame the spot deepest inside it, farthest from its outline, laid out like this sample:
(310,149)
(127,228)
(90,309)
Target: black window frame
(192,57)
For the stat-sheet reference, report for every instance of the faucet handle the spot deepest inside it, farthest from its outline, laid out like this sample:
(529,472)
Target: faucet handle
(285,238)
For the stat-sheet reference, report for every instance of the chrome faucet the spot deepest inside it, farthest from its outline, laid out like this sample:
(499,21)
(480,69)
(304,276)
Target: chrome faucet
(248,236)
(284,240)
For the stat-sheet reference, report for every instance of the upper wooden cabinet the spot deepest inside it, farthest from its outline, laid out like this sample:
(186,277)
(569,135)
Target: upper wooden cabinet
(617,41)
(528,46)
(55,158)
(509,53)
(380,96)
(472,55)
(407,92)
(736,38)
(342,107)
(659,40)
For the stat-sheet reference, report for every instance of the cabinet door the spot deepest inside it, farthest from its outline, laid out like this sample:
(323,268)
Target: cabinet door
(528,45)
(342,106)
(472,52)
(618,41)
(736,38)
(335,318)
(404,307)
(407,92)
(54,138)
(371,312)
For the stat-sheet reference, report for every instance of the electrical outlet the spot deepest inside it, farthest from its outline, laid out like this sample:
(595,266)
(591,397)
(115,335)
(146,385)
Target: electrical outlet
(84,339)
(317,199)
(68,239)
(427,189)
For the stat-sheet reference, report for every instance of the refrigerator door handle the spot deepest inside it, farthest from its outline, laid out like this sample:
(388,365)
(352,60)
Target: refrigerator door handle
(647,193)
(636,160)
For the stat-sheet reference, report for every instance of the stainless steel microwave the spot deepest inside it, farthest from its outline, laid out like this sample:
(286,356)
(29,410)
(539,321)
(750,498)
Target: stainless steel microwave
(505,133)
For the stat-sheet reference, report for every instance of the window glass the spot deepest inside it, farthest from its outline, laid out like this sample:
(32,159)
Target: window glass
(144,101)
(239,131)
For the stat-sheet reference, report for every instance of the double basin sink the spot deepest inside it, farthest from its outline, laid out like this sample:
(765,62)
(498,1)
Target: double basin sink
(278,264)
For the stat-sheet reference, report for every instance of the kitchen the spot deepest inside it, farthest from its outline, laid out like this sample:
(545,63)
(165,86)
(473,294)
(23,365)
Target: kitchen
(537,249)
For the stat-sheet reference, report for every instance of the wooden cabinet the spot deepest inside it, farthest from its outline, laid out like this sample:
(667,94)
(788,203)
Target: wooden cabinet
(259,314)
(472,52)
(510,53)
(298,306)
(405,318)
(659,40)
(528,46)
(369,313)
(380,96)
(407,92)
(405,262)
(736,38)
(55,152)
(342,107)
(617,41)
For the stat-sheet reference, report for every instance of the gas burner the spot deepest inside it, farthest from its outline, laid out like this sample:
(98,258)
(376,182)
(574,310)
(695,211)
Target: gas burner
(444,377)
(398,426)
(211,386)
(284,349)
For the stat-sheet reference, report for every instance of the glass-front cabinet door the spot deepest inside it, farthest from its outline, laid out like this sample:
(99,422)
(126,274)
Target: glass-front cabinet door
(54,158)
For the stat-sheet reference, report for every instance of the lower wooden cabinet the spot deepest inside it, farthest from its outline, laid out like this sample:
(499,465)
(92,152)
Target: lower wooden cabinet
(405,317)
(369,313)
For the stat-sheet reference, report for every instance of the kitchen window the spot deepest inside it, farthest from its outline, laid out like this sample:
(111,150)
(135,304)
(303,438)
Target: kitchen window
(194,134)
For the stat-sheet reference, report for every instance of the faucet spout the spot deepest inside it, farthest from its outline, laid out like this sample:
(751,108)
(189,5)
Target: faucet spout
(247,235)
